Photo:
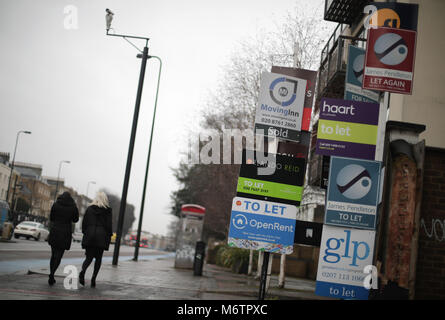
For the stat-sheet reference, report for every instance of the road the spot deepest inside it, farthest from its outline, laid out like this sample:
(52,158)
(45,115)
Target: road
(20,255)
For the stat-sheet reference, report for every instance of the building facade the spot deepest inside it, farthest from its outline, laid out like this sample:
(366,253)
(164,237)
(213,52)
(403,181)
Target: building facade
(409,242)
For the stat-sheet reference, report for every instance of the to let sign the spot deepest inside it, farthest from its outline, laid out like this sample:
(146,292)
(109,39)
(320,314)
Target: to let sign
(350,129)
(353,193)
(389,63)
(262,225)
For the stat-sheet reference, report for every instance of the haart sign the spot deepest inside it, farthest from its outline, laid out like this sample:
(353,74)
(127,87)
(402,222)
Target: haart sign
(350,129)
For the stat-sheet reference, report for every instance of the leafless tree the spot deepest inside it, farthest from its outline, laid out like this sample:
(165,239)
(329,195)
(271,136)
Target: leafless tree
(296,41)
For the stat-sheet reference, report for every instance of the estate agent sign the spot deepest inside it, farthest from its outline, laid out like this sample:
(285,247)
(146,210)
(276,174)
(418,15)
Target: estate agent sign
(354,77)
(285,185)
(279,111)
(353,193)
(344,253)
(389,64)
(350,129)
(262,225)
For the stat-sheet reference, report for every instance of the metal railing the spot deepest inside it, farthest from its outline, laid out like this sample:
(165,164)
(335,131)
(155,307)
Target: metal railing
(332,59)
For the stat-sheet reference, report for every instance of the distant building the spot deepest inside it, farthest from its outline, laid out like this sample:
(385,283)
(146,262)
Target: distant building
(5,172)
(33,189)
(54,184)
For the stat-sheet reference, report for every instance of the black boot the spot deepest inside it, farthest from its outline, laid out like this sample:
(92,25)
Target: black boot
(82,277)
(51,280)
(93,282)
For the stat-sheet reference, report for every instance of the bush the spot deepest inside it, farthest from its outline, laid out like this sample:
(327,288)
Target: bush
(212,254)
(235,258)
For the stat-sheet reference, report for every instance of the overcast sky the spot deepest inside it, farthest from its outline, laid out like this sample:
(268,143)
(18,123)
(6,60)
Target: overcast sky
(75,89)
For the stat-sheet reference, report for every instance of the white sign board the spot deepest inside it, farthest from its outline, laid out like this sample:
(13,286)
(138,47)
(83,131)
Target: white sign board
(279,111)
(344,253)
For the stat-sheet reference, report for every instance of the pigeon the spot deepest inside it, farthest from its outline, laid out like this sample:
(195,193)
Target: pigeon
(108,18)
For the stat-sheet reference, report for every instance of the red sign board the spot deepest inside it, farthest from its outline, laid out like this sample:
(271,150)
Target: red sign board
(193,210)
(389,63)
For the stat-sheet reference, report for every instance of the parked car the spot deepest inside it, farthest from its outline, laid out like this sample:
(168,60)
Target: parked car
(77,236)
(30,229)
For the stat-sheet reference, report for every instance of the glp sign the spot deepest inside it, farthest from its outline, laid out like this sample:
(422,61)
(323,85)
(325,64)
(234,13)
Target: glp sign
(262,225)
(344,254)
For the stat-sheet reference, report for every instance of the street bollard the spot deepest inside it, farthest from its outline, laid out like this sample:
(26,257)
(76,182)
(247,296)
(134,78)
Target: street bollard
(198,262)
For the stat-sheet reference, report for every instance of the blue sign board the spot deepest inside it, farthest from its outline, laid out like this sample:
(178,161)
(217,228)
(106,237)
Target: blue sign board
(262,225)
(353,193)
(354,78)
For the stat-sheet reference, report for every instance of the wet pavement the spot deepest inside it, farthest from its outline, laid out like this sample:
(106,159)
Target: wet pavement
(154,278)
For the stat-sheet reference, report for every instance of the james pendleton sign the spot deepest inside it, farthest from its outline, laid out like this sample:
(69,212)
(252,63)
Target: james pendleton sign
(353,193)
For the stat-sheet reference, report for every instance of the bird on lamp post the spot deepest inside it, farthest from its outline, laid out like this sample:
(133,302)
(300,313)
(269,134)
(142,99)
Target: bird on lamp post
(108,18)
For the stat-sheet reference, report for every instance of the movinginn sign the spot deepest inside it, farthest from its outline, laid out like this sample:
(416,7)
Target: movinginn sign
(279,111)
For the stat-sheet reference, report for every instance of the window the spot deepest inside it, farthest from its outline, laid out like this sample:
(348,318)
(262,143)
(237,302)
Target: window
(363,34)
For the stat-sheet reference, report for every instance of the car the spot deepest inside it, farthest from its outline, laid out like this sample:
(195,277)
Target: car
(77,236)
(29,229)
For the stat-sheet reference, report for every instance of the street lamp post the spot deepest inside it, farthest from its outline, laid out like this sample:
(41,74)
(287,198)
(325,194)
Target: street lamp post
(13,161)
(58,176)
(138,238)
(123,204)
(88,186)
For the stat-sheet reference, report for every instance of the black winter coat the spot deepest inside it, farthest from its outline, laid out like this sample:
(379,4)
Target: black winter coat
(63,213)
(97,227)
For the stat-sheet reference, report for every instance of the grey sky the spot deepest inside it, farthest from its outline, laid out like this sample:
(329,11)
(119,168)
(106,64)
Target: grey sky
(75,89)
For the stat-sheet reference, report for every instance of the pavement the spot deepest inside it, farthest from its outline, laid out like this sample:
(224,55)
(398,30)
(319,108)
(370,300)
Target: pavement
(153,278)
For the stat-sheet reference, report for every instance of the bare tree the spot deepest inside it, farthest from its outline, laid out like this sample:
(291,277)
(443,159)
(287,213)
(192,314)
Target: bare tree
(296,39)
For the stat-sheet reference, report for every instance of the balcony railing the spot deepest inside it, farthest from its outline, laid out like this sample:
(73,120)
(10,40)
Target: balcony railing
(333,60)
(343,11)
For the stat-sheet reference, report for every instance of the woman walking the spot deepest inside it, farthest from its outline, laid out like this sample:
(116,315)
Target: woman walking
(63,213)
(97,232)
